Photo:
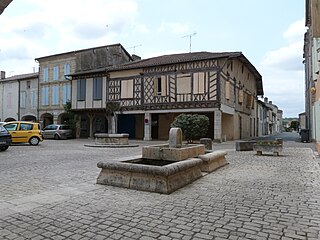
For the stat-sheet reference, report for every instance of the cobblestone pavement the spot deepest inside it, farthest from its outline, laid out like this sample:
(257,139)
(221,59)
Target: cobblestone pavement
(49,192)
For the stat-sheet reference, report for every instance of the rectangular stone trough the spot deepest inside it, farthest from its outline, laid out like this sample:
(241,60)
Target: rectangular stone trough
(153,177)
(275,149)
(212,161)
(245,145)
(164,152)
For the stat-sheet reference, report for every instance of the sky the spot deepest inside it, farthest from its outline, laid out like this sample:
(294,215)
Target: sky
(269,33)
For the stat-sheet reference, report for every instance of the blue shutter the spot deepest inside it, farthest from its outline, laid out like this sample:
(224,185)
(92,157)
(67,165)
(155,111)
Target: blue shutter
(45,74)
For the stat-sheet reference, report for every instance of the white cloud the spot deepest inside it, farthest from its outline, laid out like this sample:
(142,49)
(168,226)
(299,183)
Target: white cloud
(51,27)
(286,58)
(283,72)
(295,31)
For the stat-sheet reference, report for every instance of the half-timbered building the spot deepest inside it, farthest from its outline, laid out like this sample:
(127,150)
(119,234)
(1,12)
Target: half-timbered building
(150,93)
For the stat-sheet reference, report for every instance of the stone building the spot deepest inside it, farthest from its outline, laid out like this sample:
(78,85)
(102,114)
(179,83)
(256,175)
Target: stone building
(54,84)
(311,56)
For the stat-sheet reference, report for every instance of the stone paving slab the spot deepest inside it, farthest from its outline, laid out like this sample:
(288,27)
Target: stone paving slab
(254,197)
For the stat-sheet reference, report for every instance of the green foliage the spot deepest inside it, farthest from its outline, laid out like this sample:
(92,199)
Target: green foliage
(67,106)
(193,126)
(294,125)
(112,108)
(70,116)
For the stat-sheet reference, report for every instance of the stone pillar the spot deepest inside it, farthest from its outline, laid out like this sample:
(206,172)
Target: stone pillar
(78,126)
(55,117)
(147,127)
(175,138)
(217,125)
(113,124)
(207,142)
(91,118)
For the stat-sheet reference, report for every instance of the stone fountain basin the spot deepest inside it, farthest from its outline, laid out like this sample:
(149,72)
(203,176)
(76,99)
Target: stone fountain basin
(161,176)
(153,178)
(164,152)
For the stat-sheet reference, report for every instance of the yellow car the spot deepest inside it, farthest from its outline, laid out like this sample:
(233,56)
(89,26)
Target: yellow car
(24,132)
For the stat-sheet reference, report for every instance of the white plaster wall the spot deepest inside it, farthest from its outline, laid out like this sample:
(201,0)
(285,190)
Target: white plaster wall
(10,110)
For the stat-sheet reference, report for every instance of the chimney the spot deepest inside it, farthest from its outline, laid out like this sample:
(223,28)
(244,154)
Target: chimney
(270,102)
(2,74)
(135,57)
(266,100)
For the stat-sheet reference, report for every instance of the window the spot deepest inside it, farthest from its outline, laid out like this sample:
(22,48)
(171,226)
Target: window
(66,93)
(159,86)
(34,99)
(45,96)
(45,74)
(11,127)
(240,100)
(81,90)
(199,83)
(28,84)
(55,95)
(26,127)
(66,69)
(9,100)
(228,90)
(126,89)
(97,88)
(184,83)
(23,99)
(55,73)
(250,101)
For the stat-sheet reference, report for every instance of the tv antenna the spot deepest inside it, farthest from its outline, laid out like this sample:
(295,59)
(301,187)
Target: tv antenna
(190,36)
(134,48)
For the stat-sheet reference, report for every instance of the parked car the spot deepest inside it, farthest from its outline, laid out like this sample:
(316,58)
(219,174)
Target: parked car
(5,139)
(1,123)
(56,131)
(24,132)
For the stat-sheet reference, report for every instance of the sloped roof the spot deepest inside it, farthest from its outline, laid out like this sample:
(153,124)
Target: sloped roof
(21,77)
(83,50)
(182,58)
(178,58)
(4,4)
(190,57)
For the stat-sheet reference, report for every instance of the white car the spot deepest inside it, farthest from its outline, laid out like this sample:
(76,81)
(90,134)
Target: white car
(57,131)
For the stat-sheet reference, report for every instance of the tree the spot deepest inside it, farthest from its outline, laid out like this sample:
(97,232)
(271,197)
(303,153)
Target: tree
(294,125)
(193,126)
(71,117)
(112,108)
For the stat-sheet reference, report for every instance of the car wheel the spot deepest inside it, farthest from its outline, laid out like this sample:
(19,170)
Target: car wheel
(34,141)
(56,137)
(4,148)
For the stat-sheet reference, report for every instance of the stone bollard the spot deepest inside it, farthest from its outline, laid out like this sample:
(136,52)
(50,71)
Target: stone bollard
(175,138)
(207,142)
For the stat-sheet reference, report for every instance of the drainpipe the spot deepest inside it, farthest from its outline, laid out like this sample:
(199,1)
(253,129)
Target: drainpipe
(19,88)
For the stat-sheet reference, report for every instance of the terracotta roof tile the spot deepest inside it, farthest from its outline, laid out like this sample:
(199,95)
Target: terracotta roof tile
(175,58)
